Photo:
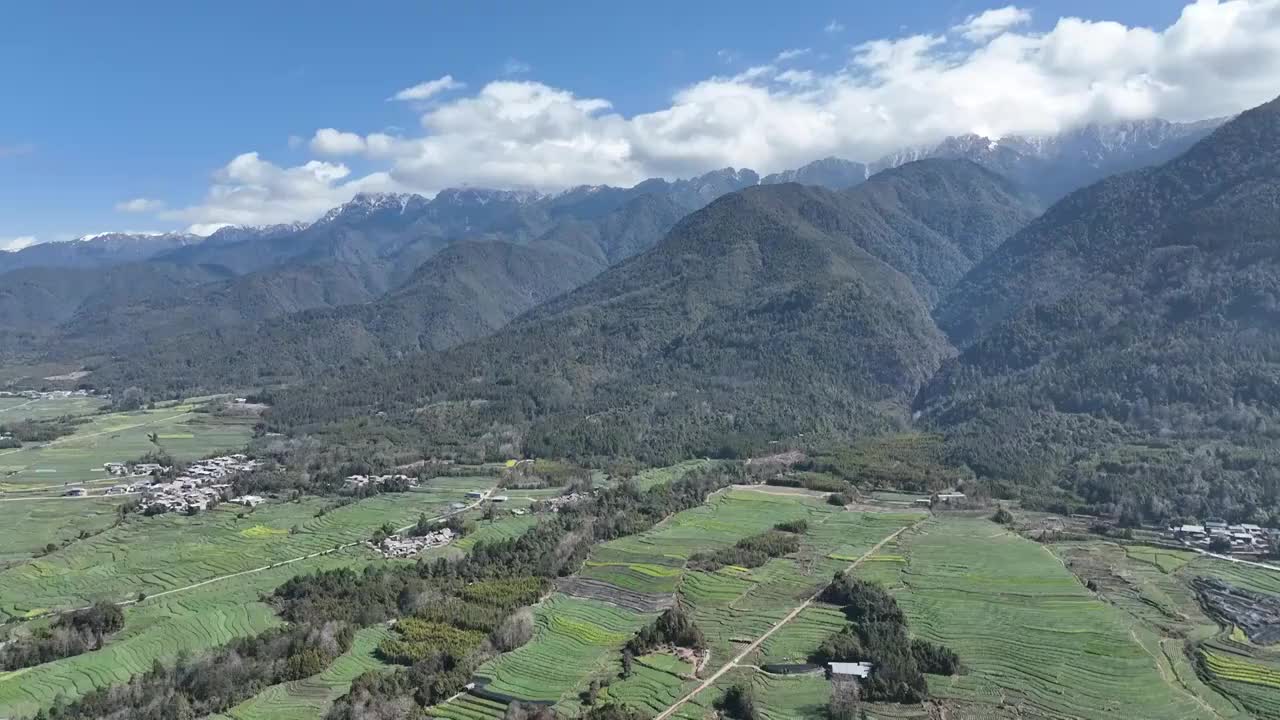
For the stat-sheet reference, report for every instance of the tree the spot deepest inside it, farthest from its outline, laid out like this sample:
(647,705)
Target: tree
(626,664)
(1002,516)
(844,702)
(131,399)
(1220,545)
(739,702)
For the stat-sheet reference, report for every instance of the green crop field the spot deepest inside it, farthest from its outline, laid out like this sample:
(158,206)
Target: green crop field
(574,639)
(310,698)
(27,525)
(17,409)
(78,458)
(1028,632)
(579,639)
(159,629)
(154,554)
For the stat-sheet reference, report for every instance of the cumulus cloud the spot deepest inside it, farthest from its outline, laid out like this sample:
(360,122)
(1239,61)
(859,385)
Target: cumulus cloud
(17,243)
(139,205)
(990,75)
(988,24)
(429,89)
(328,141)
(253,191)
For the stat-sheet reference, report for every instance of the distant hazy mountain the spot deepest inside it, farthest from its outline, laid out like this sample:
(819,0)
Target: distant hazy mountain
(95,251)
(465,291)
(831,173)
(1054,165)
(1147,301)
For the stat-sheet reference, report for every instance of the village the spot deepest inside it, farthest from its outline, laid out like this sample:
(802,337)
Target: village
(1219,536)
(200,485)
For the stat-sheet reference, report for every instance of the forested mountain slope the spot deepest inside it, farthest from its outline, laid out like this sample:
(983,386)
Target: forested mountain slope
(1144,304)
(757,317)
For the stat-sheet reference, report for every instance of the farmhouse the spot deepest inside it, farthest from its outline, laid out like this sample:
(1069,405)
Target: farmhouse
(848,670)
(76,492)
(248,500)
(1193,532)
(947,497)
(474,494)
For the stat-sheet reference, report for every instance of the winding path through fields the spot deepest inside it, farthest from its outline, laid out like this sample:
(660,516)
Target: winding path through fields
(737,659)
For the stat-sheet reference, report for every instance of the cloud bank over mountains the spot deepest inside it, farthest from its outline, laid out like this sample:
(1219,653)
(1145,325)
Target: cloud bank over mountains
(991,74)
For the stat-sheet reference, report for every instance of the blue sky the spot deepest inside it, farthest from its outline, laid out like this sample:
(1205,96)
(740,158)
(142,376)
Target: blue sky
(153,102)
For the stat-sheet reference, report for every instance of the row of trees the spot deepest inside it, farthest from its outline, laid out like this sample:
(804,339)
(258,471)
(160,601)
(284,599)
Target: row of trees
(69,635)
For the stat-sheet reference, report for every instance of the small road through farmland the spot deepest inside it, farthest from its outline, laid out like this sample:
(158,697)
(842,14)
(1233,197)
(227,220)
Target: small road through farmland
(737,659)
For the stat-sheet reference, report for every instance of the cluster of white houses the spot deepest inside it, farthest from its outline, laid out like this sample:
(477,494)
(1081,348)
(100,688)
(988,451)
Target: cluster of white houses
(201,484)
(1243,537)
(397,546)
(355,482)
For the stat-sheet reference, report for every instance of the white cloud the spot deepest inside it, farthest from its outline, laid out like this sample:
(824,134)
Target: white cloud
(988,24)
(1217,58)
(139,205)
(328,141)
(791,54)
(429,89)
(17,243)
(516,67)
(833,27)
(252,191)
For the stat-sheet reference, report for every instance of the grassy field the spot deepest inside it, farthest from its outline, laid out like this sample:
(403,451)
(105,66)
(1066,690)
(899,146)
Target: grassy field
(579,639)
(78,458)
(159,629)
(1031,636)
(16,409)
(28,525)
(169,551)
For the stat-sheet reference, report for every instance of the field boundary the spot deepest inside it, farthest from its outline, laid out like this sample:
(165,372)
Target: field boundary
(736,661)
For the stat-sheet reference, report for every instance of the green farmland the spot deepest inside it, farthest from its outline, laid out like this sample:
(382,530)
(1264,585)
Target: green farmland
(78,458)
(578,639)
(17,409)
(1033,639)
(160,629)
(29,524)
(170,551)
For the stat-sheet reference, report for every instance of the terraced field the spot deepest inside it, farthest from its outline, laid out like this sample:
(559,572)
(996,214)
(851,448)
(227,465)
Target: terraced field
(18,409)
(28,525)
(158,629)
(310,699)
(578,638)
(170,551)
(78,458)
(1028,632)
(574,639)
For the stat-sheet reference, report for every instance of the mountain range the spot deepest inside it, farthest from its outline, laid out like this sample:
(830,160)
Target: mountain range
(365,267)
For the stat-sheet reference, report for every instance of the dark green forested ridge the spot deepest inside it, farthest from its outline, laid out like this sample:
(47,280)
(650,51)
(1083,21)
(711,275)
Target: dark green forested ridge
(1139,313)
(754,318)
